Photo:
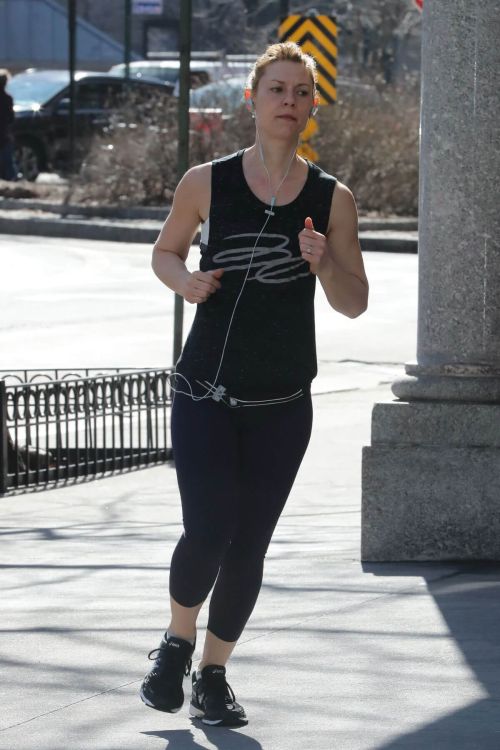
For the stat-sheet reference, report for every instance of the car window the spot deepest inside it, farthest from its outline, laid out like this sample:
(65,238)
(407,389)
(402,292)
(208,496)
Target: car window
(162,74)
(99,95)
(227,94)
(199,78)
(170,73)
(27,89)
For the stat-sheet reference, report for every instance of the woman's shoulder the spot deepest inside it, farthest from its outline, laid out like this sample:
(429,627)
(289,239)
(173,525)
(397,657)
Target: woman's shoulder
(321,174)
(200,175)
(195,185)
(229,157)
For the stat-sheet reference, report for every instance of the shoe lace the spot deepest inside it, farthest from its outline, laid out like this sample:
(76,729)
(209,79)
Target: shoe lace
(222,689)
(229,696)
(163,654)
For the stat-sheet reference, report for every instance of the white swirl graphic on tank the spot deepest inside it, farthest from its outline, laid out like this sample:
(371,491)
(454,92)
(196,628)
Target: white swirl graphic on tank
(273,262)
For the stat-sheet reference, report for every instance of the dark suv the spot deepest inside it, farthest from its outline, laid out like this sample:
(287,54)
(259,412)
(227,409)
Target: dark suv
(41,104)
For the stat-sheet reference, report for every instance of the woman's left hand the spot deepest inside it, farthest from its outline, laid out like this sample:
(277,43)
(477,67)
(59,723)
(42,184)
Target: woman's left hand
(312,246)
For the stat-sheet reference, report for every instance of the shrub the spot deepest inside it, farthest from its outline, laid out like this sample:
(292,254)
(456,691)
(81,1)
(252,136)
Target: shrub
(134,161)
(371,143)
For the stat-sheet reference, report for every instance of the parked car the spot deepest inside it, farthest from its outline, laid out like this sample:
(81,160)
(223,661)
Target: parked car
(212,104)
(41,106)
(226,94)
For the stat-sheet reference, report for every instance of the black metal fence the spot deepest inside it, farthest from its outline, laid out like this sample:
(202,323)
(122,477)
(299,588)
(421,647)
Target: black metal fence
(60,425)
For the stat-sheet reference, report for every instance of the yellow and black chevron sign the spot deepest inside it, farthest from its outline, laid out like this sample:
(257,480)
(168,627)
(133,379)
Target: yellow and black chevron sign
(317,35)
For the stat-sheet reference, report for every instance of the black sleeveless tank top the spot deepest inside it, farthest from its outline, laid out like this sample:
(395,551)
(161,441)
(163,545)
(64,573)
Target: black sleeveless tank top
(271,348)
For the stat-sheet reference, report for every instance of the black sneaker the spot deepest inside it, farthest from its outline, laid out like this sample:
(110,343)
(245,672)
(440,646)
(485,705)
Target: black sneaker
(162,686)
(213,701)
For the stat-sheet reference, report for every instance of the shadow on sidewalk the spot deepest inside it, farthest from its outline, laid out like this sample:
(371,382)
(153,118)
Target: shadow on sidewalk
(221,739)
(469,602)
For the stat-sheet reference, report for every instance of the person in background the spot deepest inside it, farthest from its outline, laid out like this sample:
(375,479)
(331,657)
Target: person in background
(7,167)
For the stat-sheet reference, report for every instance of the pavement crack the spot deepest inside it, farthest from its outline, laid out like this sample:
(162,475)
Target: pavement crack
(67,705)
(349,607)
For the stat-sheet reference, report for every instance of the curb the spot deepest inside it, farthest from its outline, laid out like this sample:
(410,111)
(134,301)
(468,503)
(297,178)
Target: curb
(159,213)
(379,240)
(385,242)
(86,230)
(155,213)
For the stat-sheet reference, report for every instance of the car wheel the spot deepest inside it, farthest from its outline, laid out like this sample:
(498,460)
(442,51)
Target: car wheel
(29,160)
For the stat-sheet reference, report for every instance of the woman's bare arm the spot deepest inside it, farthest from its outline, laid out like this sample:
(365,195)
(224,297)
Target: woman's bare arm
(336,257)
(190,206)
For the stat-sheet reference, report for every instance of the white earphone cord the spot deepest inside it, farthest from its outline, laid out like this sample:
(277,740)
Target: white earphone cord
(274,194)
(218,392)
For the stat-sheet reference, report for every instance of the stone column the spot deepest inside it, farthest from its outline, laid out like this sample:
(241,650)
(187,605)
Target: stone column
(431,478)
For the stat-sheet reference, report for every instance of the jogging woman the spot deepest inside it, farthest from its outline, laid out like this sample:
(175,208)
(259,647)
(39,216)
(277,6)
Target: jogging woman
(241,417)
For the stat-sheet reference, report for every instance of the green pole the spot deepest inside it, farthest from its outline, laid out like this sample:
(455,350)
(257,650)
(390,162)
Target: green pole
(183,140)
(127,36)
(284,9)
(72,87)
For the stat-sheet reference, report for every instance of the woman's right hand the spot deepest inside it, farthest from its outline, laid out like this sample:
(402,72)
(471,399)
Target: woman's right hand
(200,285)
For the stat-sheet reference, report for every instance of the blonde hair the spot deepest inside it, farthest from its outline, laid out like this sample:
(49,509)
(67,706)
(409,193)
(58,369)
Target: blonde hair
(277,53)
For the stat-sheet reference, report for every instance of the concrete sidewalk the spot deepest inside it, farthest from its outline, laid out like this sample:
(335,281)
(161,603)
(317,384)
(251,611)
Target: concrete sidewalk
(337,655)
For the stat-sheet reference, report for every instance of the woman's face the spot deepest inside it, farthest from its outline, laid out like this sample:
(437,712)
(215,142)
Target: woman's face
(284,98)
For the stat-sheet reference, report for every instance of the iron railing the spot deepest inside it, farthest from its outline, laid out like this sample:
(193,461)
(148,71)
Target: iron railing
(60,425)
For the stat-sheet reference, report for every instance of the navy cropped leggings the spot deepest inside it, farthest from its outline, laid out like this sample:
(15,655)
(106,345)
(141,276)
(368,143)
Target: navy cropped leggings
(235,468)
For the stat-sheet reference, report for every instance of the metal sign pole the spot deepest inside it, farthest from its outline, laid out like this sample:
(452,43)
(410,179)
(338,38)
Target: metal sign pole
(284,9)
(4,437)
(183,140)
(72,88)
(127,44)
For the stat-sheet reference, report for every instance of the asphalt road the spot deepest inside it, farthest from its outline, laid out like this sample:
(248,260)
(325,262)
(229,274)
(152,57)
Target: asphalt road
(84,303)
